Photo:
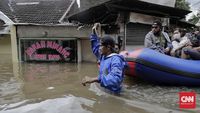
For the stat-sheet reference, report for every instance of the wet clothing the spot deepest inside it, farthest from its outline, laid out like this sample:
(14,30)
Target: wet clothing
(157,43)
(111,72)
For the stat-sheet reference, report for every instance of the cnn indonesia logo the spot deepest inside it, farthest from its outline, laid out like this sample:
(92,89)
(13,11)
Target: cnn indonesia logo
(187,100)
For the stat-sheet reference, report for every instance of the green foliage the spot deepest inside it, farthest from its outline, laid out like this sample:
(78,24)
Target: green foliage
(182,4)
(195,18)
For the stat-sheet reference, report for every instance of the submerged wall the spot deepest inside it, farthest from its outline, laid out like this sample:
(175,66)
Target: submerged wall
(67,37)
(5,44)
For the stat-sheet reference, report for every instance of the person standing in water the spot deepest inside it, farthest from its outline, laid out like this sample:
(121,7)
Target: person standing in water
(111,70)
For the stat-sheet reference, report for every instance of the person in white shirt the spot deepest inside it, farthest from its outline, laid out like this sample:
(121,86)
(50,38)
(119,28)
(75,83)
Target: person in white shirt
(180,40)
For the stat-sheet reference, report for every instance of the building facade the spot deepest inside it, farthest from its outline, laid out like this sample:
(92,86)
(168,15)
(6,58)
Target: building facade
(58,30)
(134,20)
(63,43)
(5,40)
(39,34)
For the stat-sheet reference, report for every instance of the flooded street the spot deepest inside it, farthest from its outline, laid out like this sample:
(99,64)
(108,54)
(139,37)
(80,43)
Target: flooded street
(56,88)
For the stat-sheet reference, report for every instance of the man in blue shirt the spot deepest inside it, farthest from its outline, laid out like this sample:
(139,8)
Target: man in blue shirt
(111,71)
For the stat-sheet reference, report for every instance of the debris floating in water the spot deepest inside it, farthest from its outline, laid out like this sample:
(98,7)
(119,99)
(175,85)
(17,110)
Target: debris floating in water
(50,88)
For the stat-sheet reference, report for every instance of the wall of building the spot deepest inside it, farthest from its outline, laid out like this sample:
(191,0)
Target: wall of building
(87,54)
(5,44)
(28,32)
(170,3)
(146,19)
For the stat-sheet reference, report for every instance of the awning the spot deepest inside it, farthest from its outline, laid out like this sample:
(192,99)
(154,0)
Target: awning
(182,23)
(108,11)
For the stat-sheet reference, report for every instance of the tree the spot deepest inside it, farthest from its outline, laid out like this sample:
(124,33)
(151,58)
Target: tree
(182,4)
(195,18)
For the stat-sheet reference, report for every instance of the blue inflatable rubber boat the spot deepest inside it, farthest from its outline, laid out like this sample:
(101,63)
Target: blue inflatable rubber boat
(162,69)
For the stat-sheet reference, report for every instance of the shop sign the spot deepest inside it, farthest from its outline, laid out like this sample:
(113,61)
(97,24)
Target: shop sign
(31,51)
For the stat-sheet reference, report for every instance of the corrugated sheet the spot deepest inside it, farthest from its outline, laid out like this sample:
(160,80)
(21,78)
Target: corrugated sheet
(135,33)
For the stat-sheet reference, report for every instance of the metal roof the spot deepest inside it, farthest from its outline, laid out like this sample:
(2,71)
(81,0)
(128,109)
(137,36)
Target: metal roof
(111,8)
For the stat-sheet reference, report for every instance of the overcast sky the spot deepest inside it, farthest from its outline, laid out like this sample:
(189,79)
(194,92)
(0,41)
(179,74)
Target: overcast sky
(78,2)
(194,4)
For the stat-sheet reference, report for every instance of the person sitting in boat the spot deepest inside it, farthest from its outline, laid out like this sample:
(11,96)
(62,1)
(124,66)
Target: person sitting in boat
(194,52)
(112,65)
(194,38)
(158,40)
(180,40)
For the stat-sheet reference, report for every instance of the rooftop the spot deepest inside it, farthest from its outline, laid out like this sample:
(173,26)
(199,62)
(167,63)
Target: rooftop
(35,11)
(111,8)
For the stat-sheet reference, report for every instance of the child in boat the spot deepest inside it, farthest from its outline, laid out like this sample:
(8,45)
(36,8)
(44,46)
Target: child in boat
(111,70)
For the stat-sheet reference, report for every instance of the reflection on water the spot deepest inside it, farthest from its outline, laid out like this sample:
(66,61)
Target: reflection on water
(68,104)
(10,88)
(56,88)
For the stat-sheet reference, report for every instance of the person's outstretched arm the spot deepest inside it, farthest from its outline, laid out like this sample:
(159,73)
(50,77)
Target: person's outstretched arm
(95,39)
(95,44)
(88,80)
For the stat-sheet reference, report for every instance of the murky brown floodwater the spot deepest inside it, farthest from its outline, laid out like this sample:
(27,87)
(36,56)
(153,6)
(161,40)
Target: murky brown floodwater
(56,88)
